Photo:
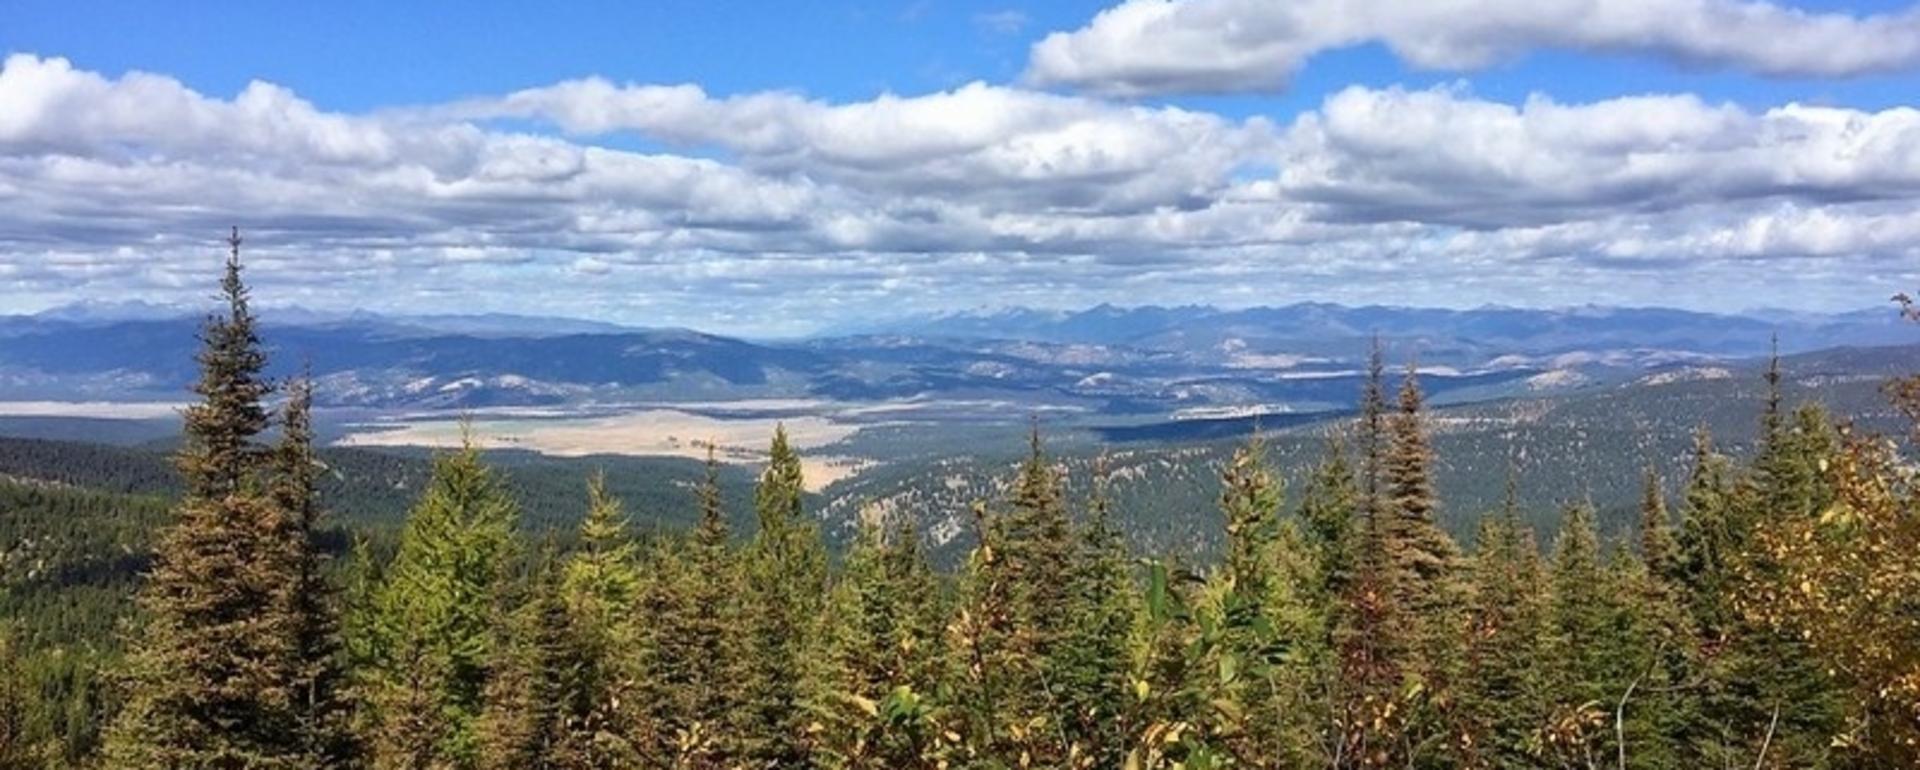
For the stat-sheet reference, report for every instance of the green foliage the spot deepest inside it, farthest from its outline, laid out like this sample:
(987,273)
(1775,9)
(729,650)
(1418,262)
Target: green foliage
(234,664)
(786,572)
(426,638)
(1770,627)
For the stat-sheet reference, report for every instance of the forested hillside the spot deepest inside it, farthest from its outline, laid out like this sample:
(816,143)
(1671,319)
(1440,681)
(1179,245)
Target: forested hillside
(1758,612)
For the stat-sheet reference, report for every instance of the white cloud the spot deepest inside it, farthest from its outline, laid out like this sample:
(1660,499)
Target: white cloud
(1443,156)
(1165,46)
(1015,147)
(778,213)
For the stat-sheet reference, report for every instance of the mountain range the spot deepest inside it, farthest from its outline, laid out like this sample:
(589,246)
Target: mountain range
(1181,361)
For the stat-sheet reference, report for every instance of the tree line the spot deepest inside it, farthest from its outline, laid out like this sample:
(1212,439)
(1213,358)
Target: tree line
(1767,618)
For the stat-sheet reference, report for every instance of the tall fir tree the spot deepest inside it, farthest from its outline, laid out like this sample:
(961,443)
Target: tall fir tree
(1268,643)
(216,672)
(878,685)
(713,654)
(1425,572)
(786,572)
(1371,637)
(1328,511)
(1590,650)
(1095,663)
(534,682)
(1033,542)
(1708,541)
(693,640)
(429,627)
(1243,641)
(321,709)
(1659,546)
(1373,429)
(1503,690)
(600,585)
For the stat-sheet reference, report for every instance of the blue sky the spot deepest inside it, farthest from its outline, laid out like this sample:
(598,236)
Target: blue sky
(780,167)
(358,55)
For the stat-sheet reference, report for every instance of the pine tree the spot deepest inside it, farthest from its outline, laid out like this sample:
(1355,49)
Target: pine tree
(1370,634)
(1095,665)
(321,712)
(1035,543)
(1424,564)
(599,587)
(880,642)
(1503,690)
(1327,513)
(1658,545)
(216,672)
(785,586)
(534,684)
(1581,645)
(429,626)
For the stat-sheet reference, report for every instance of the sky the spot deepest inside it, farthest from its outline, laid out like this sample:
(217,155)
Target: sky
(776,168)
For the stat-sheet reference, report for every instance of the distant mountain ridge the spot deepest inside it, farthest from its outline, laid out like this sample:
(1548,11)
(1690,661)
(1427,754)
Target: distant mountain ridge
(1316,324)
(1182,362)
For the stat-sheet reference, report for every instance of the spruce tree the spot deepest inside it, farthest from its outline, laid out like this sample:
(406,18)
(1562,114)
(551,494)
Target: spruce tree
(599,587)
(217,670)
(1371,637)
(1327,514)
(785,587)
(321,711)
(1035,544)
(534,684)
(429,627)
(1424,564)
(1095,665)
(1502,689)
(880,640)
(1659,547)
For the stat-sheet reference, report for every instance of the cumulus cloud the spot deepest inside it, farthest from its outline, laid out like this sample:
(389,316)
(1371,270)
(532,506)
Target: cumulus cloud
(774,212)
(1144,47)
(980,141)
(1443,156)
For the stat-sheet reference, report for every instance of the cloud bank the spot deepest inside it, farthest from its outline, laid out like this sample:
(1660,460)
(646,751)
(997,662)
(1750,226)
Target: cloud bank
(1143,47)
(777,213)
